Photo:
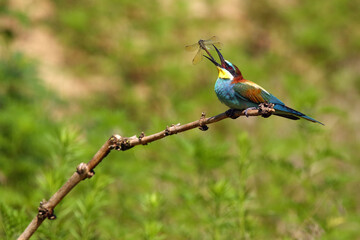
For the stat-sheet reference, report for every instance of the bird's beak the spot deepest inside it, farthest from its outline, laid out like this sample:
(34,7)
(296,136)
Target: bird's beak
(213,61)
(221,57)
(222,60)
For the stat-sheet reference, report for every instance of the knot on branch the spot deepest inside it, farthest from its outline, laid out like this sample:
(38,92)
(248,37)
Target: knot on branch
(167,131)
(45,212)
(171,130)
(266,109)
(84,172)
(141,136)
(120,143)
(202,125)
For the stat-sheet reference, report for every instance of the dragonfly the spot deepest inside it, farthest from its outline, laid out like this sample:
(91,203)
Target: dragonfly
(203,45)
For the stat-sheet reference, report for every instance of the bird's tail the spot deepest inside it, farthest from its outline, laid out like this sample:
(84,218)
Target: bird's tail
(284,111)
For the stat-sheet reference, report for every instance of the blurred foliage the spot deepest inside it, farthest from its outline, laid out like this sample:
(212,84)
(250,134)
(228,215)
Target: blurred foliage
(251,178)
(23,120)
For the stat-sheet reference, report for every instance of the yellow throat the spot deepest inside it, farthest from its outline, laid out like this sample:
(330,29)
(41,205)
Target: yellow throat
(224,74)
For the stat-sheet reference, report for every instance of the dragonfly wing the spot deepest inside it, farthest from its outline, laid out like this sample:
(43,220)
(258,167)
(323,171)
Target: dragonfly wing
(192,47)
(198,57)
(212,40)
(203,44)
(218,45)
(209,47)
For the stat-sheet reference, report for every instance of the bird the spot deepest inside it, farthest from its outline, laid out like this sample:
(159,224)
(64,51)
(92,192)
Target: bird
(238,93)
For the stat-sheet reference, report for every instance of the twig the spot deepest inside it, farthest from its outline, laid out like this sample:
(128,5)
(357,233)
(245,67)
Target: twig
(83,171)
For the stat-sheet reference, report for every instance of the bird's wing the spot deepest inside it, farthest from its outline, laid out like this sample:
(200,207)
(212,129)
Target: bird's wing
(254,93)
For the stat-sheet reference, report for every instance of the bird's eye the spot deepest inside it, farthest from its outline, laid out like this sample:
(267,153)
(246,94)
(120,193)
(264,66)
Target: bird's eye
(230,68)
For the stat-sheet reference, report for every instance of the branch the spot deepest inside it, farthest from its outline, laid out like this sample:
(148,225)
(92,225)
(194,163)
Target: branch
(83,171)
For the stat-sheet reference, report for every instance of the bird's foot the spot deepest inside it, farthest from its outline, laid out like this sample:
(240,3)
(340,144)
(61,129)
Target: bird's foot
(250,108)
(232,113)
(266,109)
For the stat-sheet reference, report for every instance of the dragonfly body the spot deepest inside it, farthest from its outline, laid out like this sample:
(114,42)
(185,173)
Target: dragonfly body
(238,93)
(203,45)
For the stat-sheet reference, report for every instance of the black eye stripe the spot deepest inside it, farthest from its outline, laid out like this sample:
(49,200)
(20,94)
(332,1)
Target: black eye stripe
(230,68)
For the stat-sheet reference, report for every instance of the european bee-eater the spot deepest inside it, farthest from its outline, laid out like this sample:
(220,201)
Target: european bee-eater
(238,93)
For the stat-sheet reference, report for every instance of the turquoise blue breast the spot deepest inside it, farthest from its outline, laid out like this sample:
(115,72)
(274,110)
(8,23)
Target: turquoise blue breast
(227,95)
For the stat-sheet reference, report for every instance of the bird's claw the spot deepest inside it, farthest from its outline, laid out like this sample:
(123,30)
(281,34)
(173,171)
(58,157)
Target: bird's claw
(246,111)
(266,109)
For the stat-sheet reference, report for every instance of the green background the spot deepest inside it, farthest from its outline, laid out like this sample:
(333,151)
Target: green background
(72,73)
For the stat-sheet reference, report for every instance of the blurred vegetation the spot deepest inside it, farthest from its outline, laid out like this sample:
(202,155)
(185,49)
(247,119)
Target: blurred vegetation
(123,70)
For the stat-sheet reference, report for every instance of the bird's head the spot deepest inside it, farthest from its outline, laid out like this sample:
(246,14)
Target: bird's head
(227,70)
